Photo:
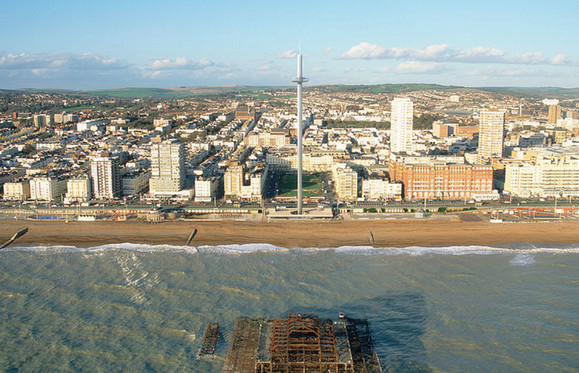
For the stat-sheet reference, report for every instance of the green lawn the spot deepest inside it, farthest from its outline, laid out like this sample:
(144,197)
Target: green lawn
(311,183)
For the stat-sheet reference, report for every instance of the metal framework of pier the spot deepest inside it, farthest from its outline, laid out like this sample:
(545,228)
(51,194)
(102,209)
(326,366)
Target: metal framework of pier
(301,343)
(210,340)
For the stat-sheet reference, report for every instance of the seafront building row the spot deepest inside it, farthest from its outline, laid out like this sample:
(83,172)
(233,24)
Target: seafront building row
(237,155)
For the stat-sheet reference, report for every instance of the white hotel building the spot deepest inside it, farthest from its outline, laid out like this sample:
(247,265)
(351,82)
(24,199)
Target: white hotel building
(375,189)
(544,178)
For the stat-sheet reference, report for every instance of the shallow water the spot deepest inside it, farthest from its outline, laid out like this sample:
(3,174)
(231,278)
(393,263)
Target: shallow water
(134,307)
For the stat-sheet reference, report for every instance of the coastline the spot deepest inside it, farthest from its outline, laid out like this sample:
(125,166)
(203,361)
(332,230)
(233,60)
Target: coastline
(292,234)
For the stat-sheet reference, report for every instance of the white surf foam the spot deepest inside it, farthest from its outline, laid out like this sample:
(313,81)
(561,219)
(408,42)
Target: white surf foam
(132,247)
(522,260)
(342,250)
(241,249)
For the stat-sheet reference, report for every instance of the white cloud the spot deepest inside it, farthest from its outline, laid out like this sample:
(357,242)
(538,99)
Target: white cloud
(327,50)
(560,59)
(289,54)
(180,63)
(437,52)
(530,58)
(414,67)
(480,54)
(59,61)
(365,50)
(444,53)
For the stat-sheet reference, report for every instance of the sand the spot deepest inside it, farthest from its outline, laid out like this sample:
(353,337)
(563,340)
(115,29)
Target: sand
(387,233)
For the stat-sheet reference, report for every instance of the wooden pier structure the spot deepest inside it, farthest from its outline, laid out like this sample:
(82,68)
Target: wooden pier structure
(210,339)
(301,343)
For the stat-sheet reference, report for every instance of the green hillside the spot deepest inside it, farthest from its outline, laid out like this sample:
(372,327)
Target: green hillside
(260,92)
(387,88)
(536,92)
(139,93)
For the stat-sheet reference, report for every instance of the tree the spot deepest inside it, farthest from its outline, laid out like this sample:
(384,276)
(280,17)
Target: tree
(28,149)
(424,122)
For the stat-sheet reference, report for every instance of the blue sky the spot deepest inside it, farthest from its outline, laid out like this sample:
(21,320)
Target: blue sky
(112,44)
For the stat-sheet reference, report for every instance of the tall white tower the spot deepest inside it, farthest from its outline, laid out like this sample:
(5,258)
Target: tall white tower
(401,120)
(491,127)
(167,167)
(299,79)
(106,177)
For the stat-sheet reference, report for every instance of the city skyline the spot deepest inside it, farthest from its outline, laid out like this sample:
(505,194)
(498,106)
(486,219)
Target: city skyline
(147,44)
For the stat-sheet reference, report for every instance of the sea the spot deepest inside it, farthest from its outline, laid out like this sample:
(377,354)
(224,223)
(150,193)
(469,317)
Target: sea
(142,308)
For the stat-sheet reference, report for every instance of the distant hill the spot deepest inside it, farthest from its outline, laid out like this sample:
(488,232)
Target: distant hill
(138,93)
(536,92)
(388,88)
(168,93)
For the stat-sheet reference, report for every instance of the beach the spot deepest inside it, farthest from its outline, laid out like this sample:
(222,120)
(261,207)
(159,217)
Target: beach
(292,234)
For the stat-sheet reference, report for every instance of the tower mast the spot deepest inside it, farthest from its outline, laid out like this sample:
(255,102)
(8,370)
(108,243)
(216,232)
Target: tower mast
(299,80)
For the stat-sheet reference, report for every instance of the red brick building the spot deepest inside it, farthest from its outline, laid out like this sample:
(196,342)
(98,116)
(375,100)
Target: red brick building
(441,180)
(245,113)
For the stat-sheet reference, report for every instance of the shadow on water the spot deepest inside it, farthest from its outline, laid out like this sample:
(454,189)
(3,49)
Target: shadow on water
(397,322)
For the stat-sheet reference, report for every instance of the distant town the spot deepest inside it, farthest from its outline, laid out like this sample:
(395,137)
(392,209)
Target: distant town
(232,154)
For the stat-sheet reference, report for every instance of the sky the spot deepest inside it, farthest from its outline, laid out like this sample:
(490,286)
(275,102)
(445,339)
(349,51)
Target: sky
(102,44)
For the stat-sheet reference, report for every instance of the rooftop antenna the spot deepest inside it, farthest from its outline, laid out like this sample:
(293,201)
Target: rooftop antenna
(299,79)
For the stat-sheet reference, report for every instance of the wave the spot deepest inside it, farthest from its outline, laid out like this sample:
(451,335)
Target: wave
(522,260)
(129,247)
(516,248)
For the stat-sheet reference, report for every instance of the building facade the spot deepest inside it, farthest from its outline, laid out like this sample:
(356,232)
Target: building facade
(17,191)
(167,167)
(47,188)
(207,189)
(78,190)
(237,183)
(233,180)
(135,183)
(106,178)
(491,128)
(41,120)
(554,114)
(401,120)
(545,177)
(346,182)
(375,189)
(437,179)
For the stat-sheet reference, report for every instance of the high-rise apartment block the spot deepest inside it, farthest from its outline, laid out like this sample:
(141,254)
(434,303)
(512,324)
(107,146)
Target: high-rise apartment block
(491,128)
(41,120)
(346,182)
(106,178)
(167,167)
(233,180)
(554,114)
(401,119)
